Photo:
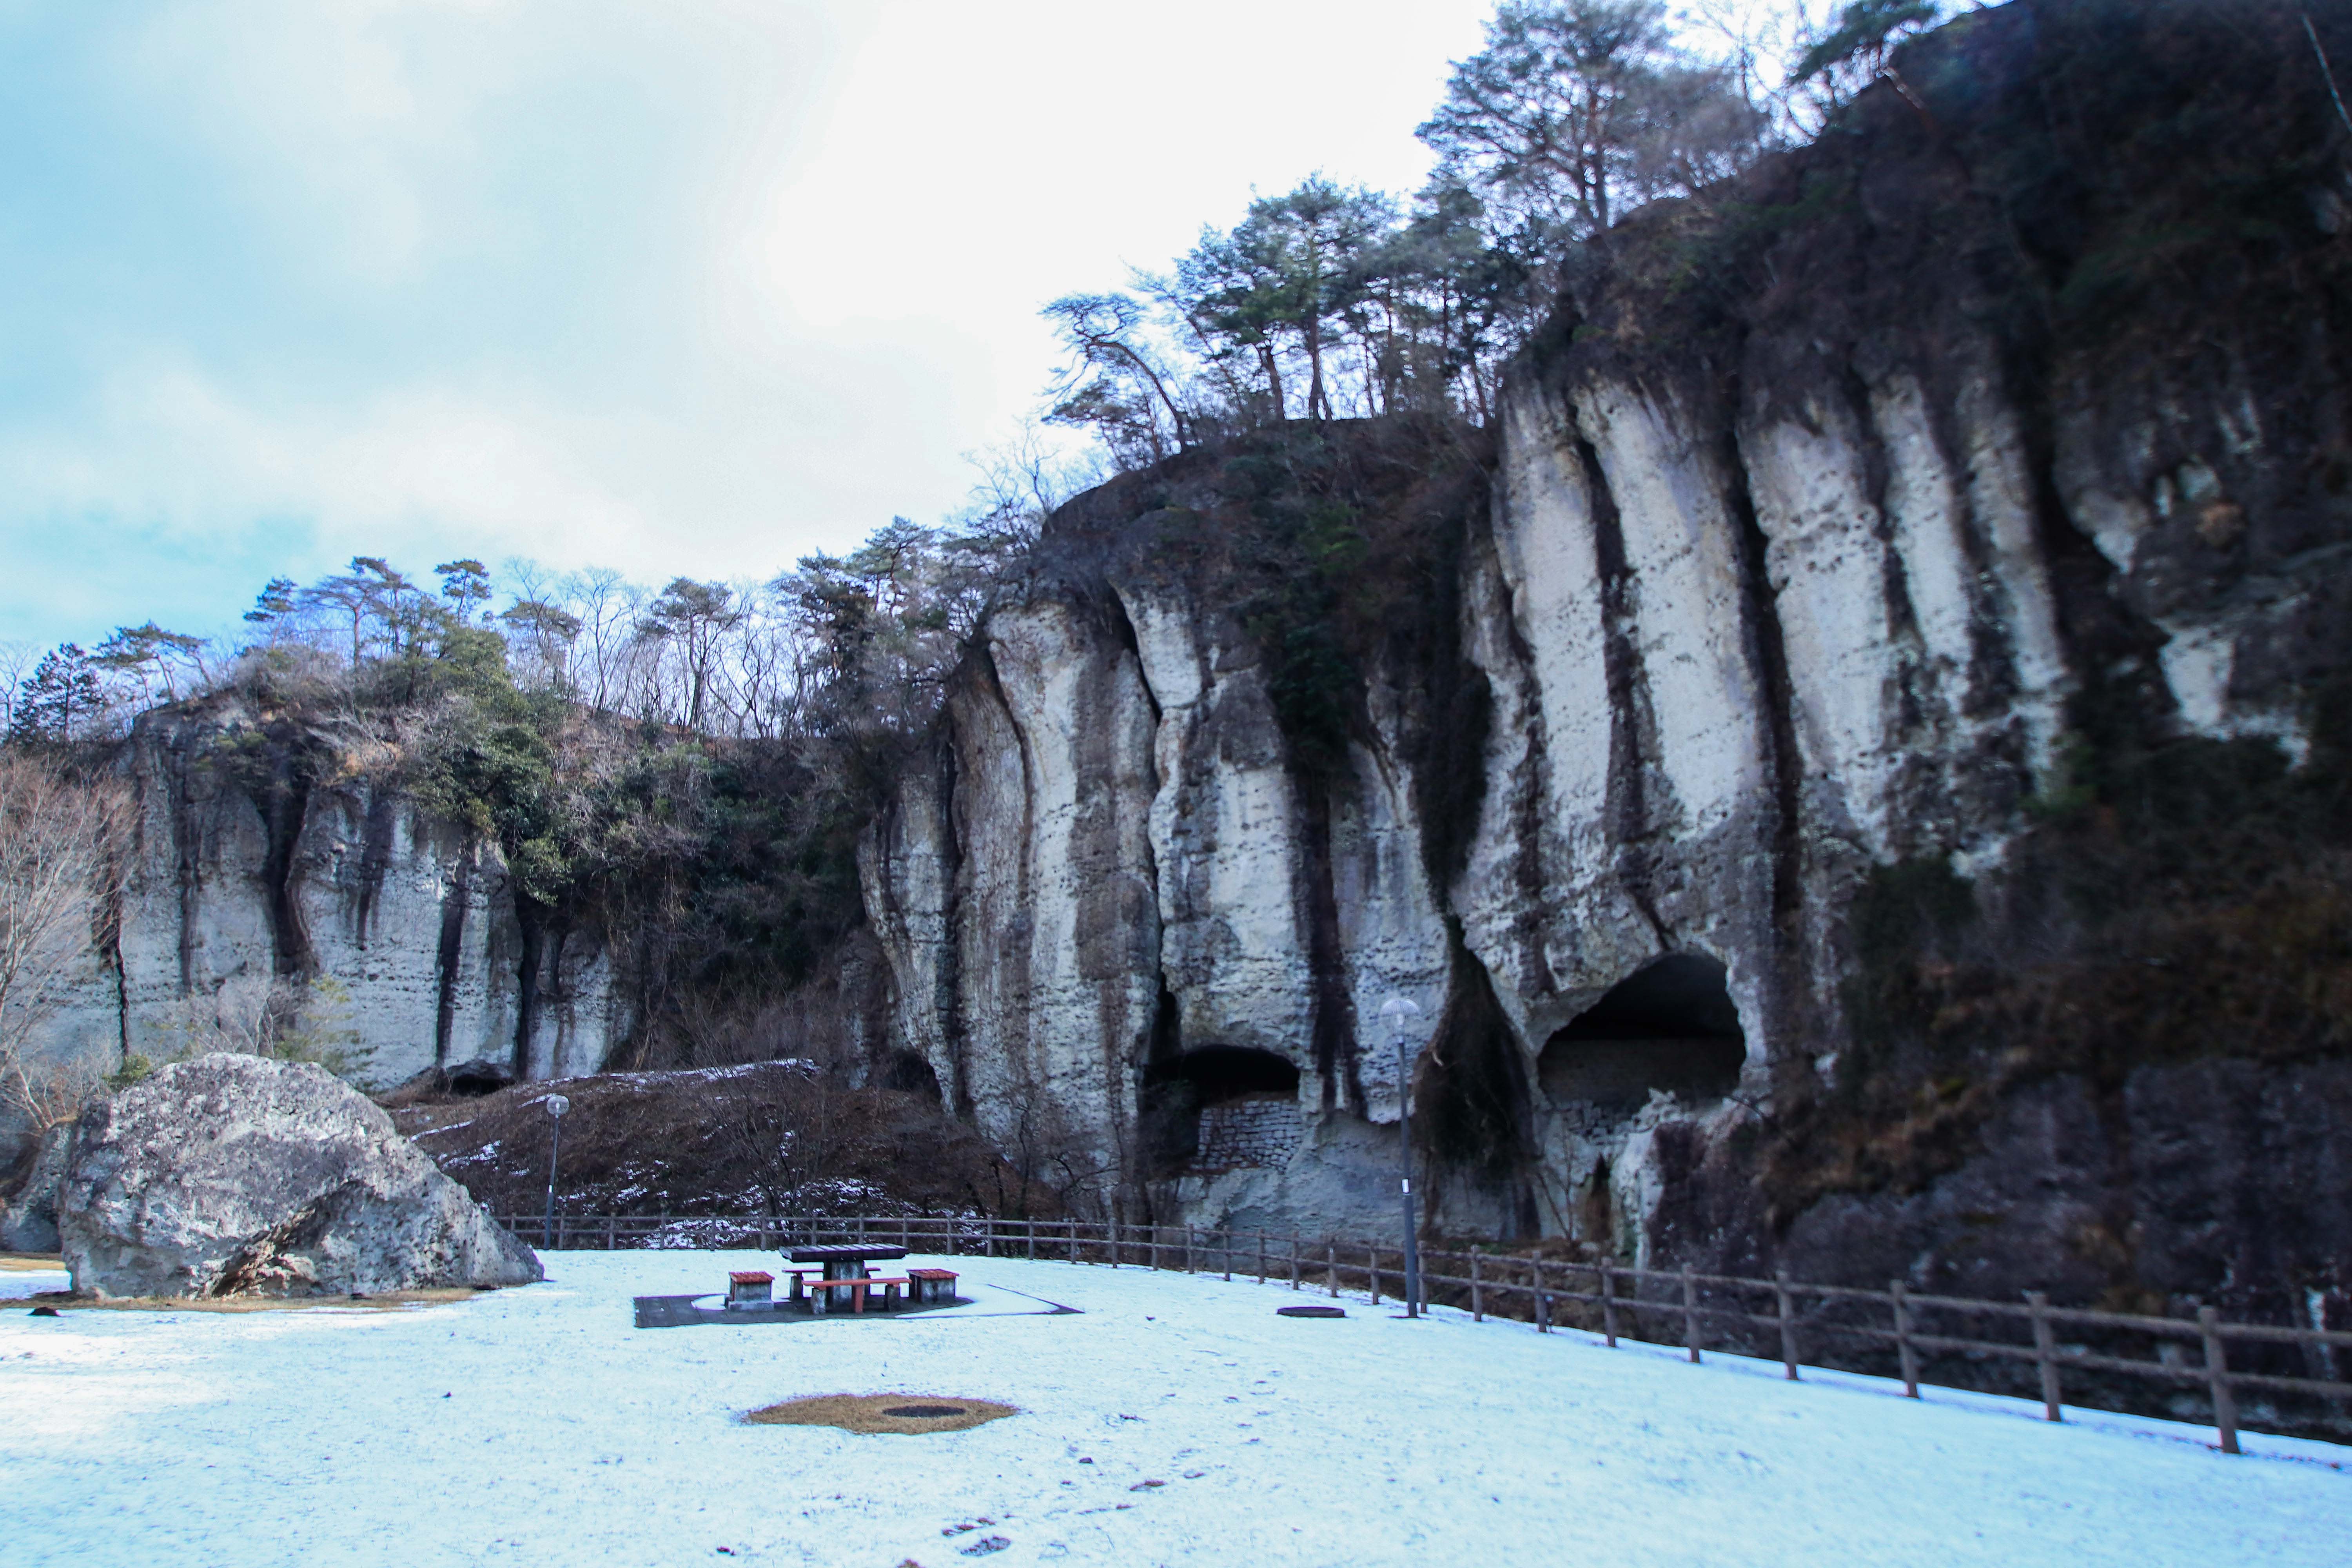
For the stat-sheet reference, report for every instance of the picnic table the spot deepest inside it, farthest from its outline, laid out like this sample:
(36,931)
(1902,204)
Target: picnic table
(846,1261)
(844,1270)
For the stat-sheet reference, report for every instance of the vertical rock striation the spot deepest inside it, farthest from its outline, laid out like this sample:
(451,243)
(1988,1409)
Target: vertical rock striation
(270,881)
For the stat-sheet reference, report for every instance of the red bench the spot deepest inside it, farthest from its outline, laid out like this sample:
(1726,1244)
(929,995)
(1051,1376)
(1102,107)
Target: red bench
(821,1291)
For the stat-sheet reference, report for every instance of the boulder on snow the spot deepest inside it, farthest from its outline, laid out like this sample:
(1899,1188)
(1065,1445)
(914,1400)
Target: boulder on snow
(234,1175)
(30,1223)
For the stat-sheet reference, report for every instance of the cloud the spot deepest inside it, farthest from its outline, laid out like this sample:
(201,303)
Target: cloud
(672,289)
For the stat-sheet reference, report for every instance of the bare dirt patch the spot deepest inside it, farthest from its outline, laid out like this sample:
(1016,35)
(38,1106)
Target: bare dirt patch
(908,1413)
(763,1136)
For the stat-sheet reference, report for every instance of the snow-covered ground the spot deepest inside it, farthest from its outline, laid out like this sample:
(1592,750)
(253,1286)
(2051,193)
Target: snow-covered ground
(1175,1420)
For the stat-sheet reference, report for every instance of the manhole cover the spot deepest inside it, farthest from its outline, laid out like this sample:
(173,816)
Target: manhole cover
(922,1412)
(1311,1312)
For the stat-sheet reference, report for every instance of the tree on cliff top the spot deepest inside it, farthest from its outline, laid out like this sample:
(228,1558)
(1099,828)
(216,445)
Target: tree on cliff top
(1575,109)
(59,701)
(1849,54)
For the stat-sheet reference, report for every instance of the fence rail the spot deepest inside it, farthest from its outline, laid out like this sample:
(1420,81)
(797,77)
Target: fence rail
(1715,1311)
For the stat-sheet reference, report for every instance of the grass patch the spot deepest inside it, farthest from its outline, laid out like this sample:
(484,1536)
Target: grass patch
(907,1412)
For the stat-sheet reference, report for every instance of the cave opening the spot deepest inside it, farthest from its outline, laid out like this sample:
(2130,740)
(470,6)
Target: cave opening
(910,1072)
(1216,1107)
(1669,1026)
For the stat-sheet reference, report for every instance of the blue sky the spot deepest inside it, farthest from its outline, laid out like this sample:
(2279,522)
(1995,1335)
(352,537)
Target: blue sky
(672,288)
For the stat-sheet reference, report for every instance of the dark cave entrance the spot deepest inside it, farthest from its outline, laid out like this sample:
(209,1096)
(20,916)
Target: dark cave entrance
(909,1072)
(1669,1025)
(1218,1107)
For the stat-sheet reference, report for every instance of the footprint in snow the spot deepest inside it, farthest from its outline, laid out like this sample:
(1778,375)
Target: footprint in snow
(983,1546)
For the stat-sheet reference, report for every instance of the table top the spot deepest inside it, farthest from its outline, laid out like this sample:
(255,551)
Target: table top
(849,1254)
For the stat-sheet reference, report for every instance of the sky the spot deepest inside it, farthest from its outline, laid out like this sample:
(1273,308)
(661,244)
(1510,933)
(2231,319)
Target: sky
(678,286)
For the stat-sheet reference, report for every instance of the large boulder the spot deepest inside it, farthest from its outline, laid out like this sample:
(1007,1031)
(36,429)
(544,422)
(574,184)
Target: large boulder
(29,1222)
(233,1175)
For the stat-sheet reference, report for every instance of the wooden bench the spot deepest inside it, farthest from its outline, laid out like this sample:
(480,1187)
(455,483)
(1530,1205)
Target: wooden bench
(821,1291)
(932,1285)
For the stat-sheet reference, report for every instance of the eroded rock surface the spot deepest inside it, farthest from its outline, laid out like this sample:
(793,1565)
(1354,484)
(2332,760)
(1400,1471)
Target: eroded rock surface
(29,1221)
(234,1175)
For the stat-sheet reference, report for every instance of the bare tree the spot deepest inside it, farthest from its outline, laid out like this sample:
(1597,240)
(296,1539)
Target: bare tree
(16,662)
(251,1015)
(57,838)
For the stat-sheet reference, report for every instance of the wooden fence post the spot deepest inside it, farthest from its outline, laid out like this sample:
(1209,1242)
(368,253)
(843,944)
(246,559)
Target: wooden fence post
(1187,1250)
(2216,1368)
(1608,1305)
(2045,1352)
(1372,1271)
(1226,1251)
(1690,1313)
(1294,1260)
(1787,1325)
(1331,1266)
(1261,1257)
(612,1233)
(1477,1300)
(1904,1349)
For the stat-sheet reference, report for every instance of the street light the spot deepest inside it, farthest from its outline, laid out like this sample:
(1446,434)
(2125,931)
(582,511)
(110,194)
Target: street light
(1400,1011)
(556,1106)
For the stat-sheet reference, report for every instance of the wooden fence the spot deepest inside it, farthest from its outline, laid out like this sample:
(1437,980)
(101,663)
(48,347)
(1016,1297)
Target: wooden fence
(1895,1331)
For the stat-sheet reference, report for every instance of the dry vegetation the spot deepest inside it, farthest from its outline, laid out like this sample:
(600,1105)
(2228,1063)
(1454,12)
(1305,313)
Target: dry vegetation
(880,1412)
(58,836)
(772,1137)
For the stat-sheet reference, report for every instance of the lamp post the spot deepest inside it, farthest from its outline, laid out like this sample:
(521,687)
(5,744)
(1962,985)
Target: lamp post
(556,1106)
(1400,1011)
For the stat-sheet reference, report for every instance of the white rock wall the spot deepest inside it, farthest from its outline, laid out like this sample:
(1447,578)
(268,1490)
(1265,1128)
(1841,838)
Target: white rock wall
(372,885)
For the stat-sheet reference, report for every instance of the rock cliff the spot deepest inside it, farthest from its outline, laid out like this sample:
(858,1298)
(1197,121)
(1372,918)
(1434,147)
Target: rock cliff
(273,880)
(1887,575)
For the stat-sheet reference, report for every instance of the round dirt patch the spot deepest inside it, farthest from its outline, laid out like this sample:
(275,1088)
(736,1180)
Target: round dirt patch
(881,1412)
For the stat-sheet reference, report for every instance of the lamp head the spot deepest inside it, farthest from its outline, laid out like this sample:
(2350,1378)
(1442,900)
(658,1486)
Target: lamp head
(557,1105)
(1400,1010)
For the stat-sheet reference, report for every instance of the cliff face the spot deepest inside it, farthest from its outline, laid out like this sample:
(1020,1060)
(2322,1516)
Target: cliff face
(1747,764)
(273,881)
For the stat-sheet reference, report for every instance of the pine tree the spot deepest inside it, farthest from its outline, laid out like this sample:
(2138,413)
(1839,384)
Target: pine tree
(58,700)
